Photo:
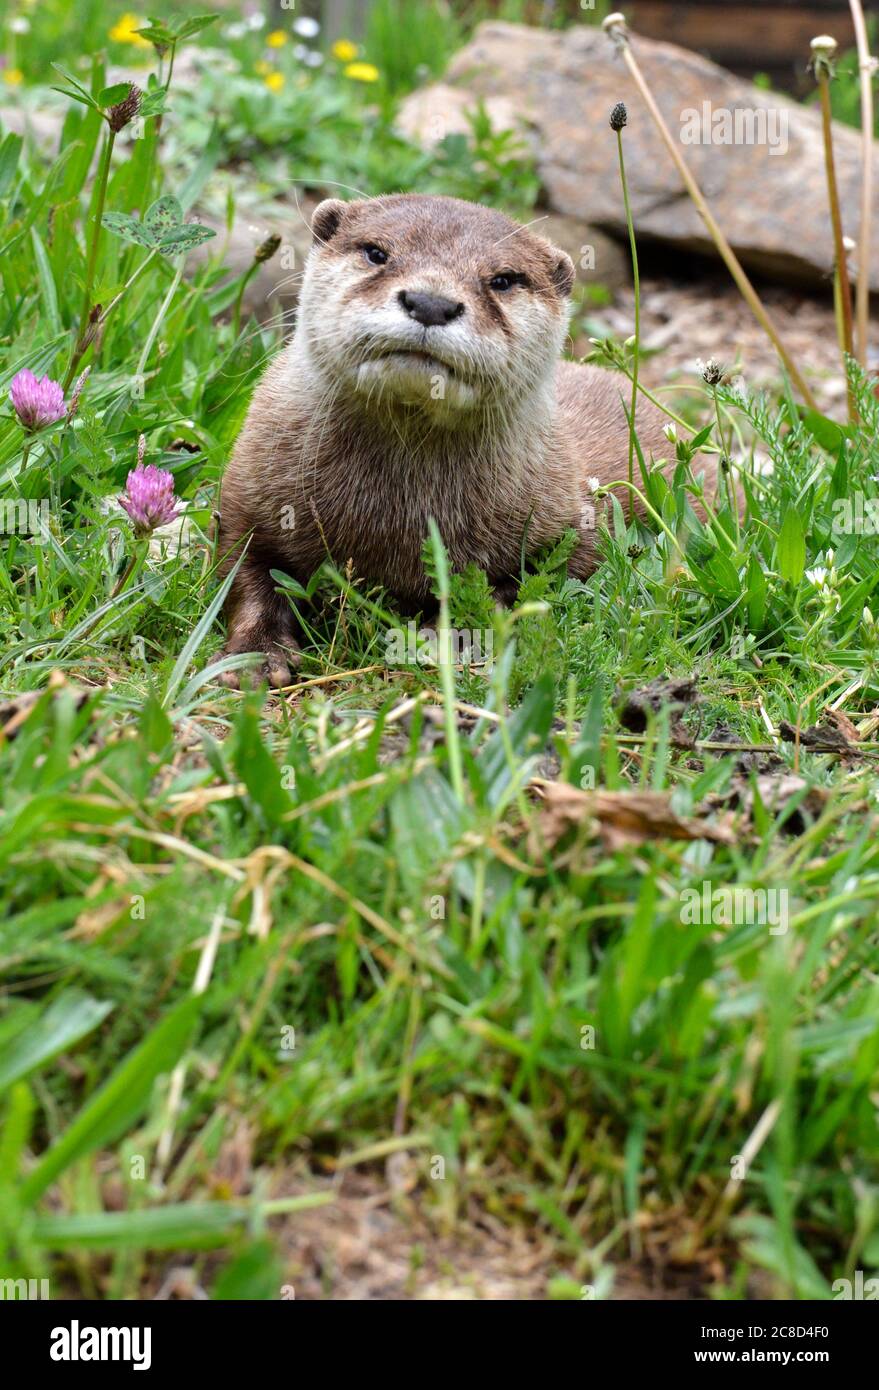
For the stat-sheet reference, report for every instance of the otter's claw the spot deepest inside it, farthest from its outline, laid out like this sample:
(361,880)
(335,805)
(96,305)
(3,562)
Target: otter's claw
(275,668)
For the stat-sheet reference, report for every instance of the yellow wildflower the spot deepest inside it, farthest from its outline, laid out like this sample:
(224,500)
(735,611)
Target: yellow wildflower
(276,39)
(362,72)
(274,81)
(13,76)
(123,31)
(344,50)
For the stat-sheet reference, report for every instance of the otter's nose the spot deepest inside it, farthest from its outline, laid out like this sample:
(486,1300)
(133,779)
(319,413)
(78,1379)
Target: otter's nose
(430,309)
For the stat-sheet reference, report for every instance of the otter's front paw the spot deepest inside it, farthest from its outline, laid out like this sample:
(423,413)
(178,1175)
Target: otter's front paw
(505,592)
(275,666)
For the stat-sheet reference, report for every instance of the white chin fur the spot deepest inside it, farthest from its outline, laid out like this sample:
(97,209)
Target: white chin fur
(413,381)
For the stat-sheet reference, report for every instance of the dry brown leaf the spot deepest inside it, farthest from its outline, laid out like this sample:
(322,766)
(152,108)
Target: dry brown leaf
(14,712)
(819,738)
(620,818)
(842,722)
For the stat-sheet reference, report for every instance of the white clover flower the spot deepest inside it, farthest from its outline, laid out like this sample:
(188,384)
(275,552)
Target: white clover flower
(307,27)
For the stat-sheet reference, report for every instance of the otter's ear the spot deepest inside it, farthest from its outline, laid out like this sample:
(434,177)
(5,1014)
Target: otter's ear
(563,272)
(326,218)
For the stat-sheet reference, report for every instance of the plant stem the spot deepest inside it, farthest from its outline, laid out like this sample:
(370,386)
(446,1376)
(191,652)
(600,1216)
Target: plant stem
(151,171)
(726,469)
(138,556)
(637,351)
(866,65)
(236,312)
(749,294)
(609,487)
(157,321)
(710,514)
(103,177)
(447,674)
(127,286)
(844,294)
(654,400)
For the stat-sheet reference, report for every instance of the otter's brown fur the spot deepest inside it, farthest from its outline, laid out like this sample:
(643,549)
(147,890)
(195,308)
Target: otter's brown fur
(376,417)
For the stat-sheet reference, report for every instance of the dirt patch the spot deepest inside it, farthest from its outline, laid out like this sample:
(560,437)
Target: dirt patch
(707,317)
(372,1243)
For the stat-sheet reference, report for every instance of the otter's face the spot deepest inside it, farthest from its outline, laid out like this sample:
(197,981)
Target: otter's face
(432,302)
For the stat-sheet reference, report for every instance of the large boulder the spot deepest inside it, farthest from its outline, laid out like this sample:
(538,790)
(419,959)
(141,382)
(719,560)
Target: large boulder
(272,293)
(766,186)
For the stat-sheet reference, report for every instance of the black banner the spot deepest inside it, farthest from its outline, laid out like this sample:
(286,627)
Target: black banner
(81,1339)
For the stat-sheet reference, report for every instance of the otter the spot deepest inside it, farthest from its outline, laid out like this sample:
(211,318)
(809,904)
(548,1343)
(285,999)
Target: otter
(423,380)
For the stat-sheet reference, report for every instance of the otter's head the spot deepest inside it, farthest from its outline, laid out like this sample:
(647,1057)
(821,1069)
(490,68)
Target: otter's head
(432,302)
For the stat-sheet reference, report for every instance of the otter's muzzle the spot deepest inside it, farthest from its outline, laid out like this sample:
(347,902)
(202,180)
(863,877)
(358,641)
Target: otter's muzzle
(430,310)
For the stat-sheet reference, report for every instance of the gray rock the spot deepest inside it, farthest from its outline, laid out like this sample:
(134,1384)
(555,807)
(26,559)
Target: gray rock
(770,198)
(430,114)
(598,258)
(273,291)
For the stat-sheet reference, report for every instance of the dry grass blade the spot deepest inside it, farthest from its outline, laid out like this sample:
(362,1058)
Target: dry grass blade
(867,66)
(619,34)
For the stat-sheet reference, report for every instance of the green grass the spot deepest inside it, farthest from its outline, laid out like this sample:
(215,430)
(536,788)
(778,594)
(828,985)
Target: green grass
(345,916)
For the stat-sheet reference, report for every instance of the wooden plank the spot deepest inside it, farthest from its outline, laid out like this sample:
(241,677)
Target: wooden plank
(842,6)
(757,35)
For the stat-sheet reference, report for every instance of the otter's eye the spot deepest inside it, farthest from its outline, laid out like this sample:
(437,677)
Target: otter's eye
(506,280)
(374,254)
